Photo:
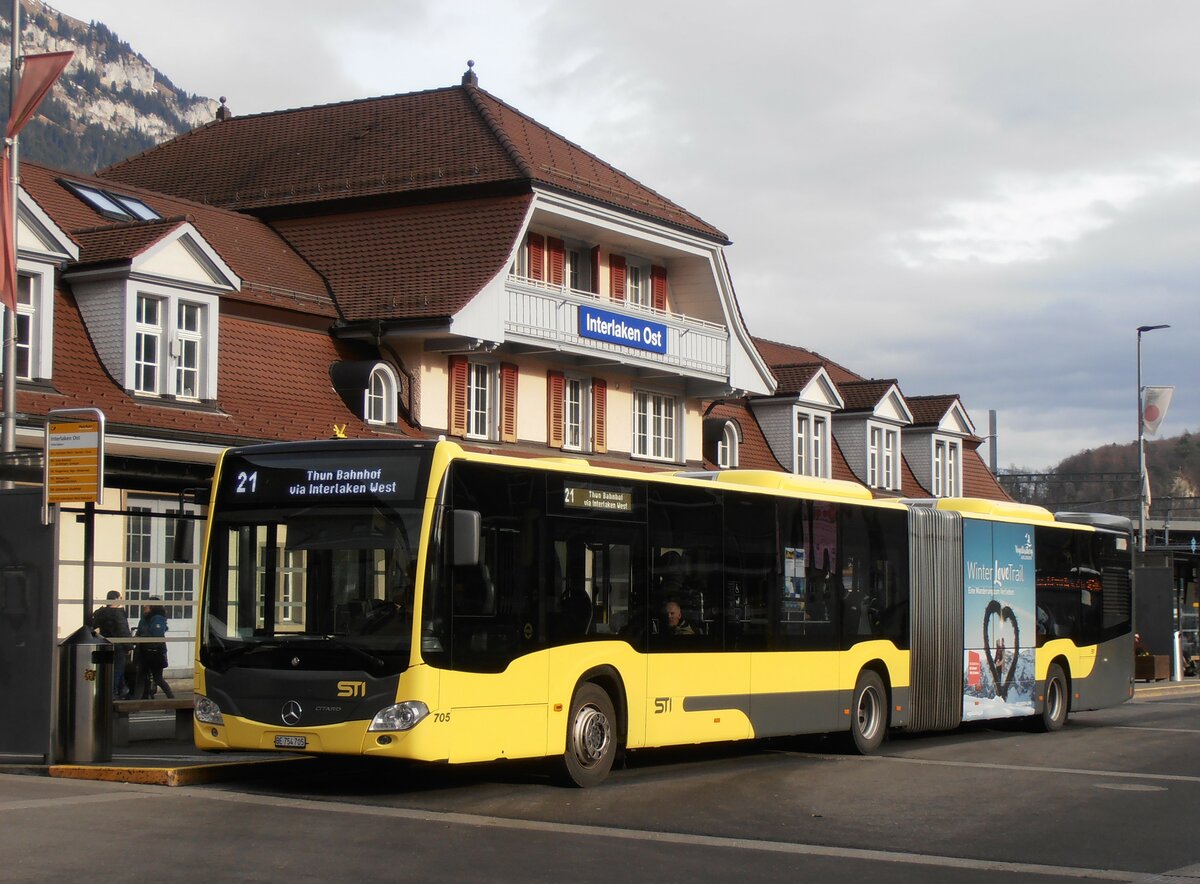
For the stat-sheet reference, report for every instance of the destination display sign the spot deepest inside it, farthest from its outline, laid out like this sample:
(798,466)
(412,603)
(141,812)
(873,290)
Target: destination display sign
(618,328)
(300,479)
(584,497)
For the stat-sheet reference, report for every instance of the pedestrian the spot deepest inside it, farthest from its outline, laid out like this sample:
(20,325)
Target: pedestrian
(152,656)
(111,621)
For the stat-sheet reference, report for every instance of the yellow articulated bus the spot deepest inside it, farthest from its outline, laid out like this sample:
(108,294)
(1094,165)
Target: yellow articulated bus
(414,600)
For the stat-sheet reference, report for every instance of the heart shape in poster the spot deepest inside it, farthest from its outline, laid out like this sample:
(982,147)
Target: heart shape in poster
(1002,677)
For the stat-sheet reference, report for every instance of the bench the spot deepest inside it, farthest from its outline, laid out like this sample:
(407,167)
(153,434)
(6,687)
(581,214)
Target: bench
(1148,667)
(123,708)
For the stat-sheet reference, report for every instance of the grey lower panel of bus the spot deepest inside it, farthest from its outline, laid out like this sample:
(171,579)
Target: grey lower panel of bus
(936,618)
(1108,685)
(774,715)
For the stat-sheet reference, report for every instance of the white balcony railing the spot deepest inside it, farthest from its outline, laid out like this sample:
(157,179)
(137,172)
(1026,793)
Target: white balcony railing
(549,314)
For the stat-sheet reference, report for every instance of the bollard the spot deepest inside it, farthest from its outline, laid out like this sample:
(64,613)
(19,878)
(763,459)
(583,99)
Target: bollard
(85,698)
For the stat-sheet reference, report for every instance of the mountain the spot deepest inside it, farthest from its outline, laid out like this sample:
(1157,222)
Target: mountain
(1105,479)
(109,104)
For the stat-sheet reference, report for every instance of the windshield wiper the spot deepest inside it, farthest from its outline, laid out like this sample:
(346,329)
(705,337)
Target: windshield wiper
(227,655)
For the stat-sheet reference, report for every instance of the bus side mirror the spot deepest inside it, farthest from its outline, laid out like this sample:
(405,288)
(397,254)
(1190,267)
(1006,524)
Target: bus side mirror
(466,537)
(185,531)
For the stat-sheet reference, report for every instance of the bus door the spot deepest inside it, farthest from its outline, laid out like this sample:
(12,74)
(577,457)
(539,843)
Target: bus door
(697,678)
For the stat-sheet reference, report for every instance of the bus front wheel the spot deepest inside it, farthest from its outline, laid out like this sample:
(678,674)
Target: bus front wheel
(591,737)
(868,713)
(1057,703)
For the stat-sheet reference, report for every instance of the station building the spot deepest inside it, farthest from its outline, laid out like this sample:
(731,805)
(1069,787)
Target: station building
(419,265)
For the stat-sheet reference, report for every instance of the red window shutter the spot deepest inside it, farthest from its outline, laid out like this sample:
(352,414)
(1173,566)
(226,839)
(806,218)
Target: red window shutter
(458,396)
(616,277)
(558,261)
(555,419)
(599,415)
(537,249)
(508,402)
(658,287)
(595,270)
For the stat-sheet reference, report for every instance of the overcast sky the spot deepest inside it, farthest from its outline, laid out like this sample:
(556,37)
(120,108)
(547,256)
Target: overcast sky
(982,199)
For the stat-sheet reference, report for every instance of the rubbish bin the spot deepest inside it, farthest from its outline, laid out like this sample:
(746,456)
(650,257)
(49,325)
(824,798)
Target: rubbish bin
(85,698)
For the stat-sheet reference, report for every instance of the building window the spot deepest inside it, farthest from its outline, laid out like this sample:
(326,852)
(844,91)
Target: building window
(812,444)
(110,204)
(174,346)
(883,458)
(147,345)
(188,337)
(727,447)
(577,270)
(379,404)
(947,468)
(654,425)
(150,568)
(26,315)
(637,283)
(479,400)
(574,395)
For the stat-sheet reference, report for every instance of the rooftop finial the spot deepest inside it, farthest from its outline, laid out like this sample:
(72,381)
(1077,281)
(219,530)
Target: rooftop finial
(223,112)
(470,78)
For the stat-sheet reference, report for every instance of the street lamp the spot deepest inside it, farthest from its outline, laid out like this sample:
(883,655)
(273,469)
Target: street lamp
(1142,440)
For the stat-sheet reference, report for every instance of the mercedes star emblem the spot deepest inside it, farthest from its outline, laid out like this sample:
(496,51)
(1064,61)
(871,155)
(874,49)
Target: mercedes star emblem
(291,712)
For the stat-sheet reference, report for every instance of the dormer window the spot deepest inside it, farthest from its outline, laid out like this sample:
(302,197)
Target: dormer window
(111,204)
(727,447)
(947,467)
(379,402)
(173,345)
(883,457)
(812,444)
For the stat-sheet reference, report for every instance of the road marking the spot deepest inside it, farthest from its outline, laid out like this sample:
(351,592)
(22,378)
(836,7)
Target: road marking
(1169,730)
(37,803)
(712,841)
(1130,787)
(1033,768)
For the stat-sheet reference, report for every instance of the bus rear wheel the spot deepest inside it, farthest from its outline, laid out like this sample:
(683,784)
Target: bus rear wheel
(868,713)
(591,738)
(1057,703)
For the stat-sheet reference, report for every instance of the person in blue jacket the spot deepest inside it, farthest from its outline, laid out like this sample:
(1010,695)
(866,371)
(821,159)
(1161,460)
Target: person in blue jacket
(152,657)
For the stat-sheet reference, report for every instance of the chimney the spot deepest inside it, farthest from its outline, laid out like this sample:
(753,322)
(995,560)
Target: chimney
(223,112)
(469,78)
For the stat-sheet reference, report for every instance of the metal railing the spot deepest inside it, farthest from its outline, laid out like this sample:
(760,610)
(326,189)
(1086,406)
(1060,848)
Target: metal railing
(541,312)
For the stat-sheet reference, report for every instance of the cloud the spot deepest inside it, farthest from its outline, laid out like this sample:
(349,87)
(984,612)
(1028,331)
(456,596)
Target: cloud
(976,198)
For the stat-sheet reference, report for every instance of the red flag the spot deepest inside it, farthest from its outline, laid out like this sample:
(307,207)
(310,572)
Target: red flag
(38,73)
(8,238)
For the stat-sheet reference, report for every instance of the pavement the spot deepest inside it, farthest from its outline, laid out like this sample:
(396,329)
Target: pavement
(155,757)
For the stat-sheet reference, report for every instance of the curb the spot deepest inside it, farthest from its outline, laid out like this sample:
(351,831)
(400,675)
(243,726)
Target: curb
(183,775)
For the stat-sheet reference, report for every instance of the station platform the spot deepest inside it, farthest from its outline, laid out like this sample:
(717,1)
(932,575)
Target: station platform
(155,757)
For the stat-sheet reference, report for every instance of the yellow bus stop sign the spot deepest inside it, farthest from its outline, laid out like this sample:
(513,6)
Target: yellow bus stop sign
(75,456)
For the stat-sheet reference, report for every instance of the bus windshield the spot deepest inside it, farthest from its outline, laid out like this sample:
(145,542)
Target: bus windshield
(335,583)
(312,557)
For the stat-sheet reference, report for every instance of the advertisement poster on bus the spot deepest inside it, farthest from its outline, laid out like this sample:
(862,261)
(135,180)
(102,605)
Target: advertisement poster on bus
(998,621)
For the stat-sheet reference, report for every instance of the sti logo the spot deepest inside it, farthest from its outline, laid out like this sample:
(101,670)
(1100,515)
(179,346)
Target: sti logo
(351,688)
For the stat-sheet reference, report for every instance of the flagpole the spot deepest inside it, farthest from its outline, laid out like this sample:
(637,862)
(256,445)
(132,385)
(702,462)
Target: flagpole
(1141,437)
(10,316)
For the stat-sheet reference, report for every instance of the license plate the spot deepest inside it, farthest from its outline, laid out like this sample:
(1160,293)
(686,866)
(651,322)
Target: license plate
(289,742)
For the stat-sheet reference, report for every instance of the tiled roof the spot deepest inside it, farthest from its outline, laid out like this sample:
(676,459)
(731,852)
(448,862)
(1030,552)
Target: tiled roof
(292,400)
(793,378)
(929,410)
(271,272)
(775,353)
(864,395)
(398,145)
(753,451)
(120,242)
(425,260)
(978,480)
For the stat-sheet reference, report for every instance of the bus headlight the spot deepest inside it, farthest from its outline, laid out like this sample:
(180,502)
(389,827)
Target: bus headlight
(401,717)
(207,711)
